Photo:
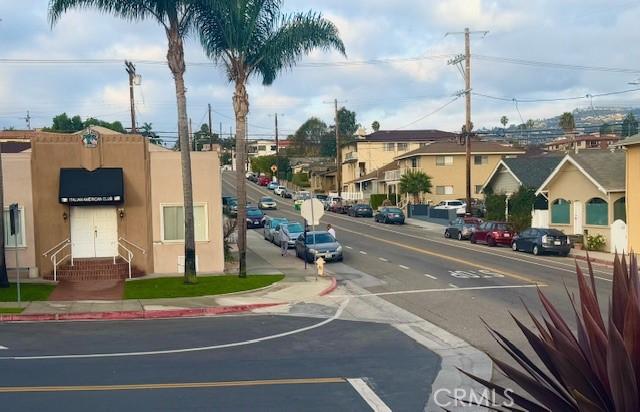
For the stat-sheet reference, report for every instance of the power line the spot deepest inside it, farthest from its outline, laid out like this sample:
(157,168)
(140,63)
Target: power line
(430,113)
(555,99)
(554,65)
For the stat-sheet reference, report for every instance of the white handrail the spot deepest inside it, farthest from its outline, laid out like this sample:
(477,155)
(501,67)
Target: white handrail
(54,257)
(55,247)
(134,245)
(129,257)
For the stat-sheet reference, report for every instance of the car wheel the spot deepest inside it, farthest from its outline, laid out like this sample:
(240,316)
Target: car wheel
(459,235)
(564,254)
(472,239)
(491,242)
(536,250)
(386,220)
(447,234)
(514,246)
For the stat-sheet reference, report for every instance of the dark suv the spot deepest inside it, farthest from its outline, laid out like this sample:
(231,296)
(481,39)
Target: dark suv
(493,233)
(360,211)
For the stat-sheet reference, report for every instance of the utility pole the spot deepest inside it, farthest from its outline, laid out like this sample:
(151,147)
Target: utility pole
(468,126)
(338,151)
(210,130)
(28,120)
(277,143)
(134,78)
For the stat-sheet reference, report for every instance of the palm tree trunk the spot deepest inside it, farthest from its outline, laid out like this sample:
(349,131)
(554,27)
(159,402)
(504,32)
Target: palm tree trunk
(4,278)
(175,58)
(241,108)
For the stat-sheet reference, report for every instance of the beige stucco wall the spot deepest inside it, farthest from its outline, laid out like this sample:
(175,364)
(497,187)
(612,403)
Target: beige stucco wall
(16,171)
(633,197)
(453,175)
(572,185)
(166,188)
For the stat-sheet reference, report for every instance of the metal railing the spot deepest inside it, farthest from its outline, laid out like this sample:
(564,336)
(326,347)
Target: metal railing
(128,258)
(57,249)
(392,175)
(351,156)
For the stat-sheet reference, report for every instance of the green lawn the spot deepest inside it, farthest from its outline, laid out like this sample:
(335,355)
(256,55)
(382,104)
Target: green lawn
(208,285)
(11,310)
(29,292)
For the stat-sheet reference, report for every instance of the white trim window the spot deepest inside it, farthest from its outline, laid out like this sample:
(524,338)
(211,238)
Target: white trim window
(389,147)
(172,222)
(444,160)
(480,160)
(444,190)
(9,239)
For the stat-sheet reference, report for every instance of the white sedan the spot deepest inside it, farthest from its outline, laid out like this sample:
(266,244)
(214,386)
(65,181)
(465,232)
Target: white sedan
(267,203)
(459,206)
(279,190)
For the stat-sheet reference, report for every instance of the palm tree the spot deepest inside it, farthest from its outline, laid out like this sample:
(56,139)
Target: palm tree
(375,126)
(504,120)
(4,278)
(414,183)
(176,18)
(567,122)
(253,38)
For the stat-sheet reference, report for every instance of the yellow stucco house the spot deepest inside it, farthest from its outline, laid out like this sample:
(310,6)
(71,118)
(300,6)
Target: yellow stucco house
(632,181)
(586,195)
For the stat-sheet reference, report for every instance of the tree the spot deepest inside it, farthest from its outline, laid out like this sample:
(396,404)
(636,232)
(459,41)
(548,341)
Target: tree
(202,137)
(530,124)
(414,183)
(147,131)
(309,136)
(375,125)
(115,126)
(629,125)
(504,120)
(63,124)
(567,122)
(606,128)
(348,125)
(254,38)
(176,18)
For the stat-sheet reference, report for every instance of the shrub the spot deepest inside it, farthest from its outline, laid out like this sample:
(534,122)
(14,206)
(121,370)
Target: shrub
(596,242)
(596,368)
(301,179)
(495,205)
(228,234)
(378,200)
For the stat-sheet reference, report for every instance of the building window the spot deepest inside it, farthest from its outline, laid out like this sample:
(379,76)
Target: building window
(403,147)
(620,209)
(478,189)
(560,212)
(597,212)
(9,239)
(444,190)
(415,162)
(480,160)
(262,148)
(273,148)
(389,147)
(173,223)
(444,160)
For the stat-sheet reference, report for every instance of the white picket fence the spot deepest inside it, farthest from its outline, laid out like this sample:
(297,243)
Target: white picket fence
(349,196)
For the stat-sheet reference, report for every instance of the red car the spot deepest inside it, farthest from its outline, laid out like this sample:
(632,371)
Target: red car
(493,233)
(263,181)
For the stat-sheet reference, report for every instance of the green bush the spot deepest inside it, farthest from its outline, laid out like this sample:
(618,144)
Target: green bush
(376,200)
(495,206)
(520,206)
(596,242)
(301,179)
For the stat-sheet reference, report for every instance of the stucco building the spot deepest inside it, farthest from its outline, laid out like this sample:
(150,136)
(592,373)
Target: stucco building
(109,198)
(632,181)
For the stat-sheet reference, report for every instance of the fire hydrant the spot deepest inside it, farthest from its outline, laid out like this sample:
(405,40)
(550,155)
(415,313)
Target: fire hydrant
(320,266)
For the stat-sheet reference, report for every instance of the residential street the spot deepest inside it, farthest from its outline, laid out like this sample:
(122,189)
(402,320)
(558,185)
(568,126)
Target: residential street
(449,283)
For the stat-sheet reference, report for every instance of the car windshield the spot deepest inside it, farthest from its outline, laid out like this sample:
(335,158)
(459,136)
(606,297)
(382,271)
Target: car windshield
(394,210)
(267,199)
(456,203)
(319,238)
(502,226)
(295,227)
(254,213)
(278,221)
(233,202)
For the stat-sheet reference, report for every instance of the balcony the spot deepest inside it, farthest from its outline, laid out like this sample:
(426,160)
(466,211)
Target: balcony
(406,170)
(350,157)
(392,176)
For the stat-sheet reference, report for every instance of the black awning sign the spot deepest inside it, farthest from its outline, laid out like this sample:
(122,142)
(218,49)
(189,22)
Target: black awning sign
(99,187)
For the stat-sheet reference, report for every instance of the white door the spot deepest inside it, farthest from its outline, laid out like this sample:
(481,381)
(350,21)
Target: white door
(577,217)
(94,231)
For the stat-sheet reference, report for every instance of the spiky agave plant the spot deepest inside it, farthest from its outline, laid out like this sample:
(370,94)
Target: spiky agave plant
(595,369)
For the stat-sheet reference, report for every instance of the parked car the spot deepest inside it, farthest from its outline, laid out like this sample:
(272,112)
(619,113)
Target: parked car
(253,178)
(279,190)
(231,208)
(462,228)
(270,224)
(493,233)
(300,197)
(541,241)
(295,230)
(331,200)
(457,205)
(321,197)
(273,185)
(255,218)
(337,207)
(318,244)
(226,202)
(267,202)
(360,210)
(390,215)
(287,194)
(263,181)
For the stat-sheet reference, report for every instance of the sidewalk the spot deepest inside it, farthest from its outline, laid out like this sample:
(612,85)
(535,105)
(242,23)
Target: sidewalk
(431,226)
(595,257)
(297,286)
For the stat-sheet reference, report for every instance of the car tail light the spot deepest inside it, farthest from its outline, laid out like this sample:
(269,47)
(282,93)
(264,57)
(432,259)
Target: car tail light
(497,234)
(545,239)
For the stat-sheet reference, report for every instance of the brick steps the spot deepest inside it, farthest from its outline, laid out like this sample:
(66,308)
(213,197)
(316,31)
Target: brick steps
(94,269)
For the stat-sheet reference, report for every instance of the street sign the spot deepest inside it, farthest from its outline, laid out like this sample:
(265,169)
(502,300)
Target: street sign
(274,168)
(312,210)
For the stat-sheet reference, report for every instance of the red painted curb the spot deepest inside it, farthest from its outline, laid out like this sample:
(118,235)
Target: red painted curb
(593,260)
(331,288)
(136,314)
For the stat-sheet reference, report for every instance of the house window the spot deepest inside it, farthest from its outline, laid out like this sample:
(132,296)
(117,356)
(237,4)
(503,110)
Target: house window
(560,212)
(415,162)
(389,147)
(620,209)
(173,223)
(444,190)
(444,160)
(597,212)
(478,189)
(273,148)
(403,147)
(480,160)
(9,239)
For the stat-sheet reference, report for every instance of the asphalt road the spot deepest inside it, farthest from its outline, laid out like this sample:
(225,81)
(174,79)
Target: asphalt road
(105,366)
(447,282)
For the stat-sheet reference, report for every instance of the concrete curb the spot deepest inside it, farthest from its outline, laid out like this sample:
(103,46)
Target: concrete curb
(136,314)
(331,288)
(592,259)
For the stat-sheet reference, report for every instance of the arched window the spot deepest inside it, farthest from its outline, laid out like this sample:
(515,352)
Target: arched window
(620,209)
(597,212)
(560,212)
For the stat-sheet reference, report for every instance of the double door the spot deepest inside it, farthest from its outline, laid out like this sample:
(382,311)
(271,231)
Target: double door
(94,231)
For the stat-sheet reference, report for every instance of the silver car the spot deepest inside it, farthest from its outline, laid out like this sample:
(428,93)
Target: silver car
(318,244)
(267,203)
(295,230)
(270,225)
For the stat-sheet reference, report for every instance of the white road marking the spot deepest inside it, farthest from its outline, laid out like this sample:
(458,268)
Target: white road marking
(431,276)
(348,247)
(3,347)
(450,289)
(335,316)
(362,252)
(369,395)
(404,267)
(453,286)
(383,259)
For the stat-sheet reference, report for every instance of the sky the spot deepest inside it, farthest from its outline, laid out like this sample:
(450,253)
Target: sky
(395,72)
